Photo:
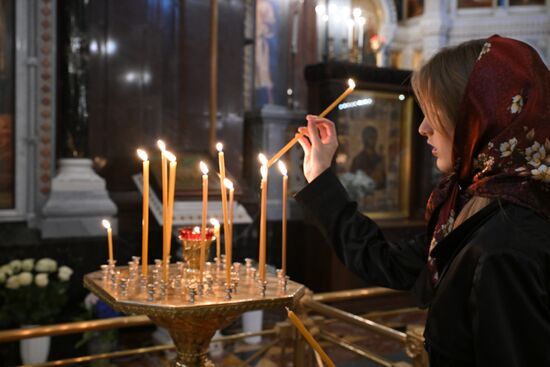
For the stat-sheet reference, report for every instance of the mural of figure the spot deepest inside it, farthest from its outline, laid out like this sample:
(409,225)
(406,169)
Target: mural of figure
(368,160)
(265,24)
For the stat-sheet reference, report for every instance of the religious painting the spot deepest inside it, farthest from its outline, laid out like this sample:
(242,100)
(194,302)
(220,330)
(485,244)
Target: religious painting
(7,105)
(374,156)
(269,69)
(463,4)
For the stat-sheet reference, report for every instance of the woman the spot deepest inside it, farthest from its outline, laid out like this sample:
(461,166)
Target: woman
(483,267)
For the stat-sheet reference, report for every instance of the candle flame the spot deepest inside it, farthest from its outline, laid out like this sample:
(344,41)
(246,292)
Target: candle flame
(263,171)
(106,224)
(196,229)
(215,223)
(351,83)
(170,156)
(219,147)
(161,145)
(282,168)
(203,167)
(263,159)
(142,154)
(228,184)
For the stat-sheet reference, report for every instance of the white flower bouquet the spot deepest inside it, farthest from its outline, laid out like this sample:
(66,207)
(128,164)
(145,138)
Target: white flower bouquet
(32,292)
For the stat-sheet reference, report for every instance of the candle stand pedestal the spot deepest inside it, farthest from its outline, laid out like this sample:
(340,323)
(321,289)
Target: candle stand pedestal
(191,318)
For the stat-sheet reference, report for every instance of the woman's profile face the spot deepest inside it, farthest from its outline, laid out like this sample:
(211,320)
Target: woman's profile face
(442,145)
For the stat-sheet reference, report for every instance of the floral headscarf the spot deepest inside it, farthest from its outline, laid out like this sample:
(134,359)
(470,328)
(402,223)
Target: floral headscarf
(502,136)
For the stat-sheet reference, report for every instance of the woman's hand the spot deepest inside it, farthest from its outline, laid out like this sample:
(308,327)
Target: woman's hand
(319,146)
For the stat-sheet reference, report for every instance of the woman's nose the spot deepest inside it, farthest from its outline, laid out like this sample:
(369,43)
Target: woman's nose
(425,128)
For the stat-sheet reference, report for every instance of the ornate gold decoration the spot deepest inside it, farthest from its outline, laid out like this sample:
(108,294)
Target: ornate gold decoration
(192,323)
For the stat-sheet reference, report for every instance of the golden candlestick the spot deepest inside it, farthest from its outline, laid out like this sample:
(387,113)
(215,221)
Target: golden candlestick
(191,319)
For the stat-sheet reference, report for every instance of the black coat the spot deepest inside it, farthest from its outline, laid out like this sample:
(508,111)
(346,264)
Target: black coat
(491,305)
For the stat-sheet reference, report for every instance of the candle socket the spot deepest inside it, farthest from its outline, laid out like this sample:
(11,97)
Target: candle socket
(191,294)
(151,292)
(283,282)
(104,272)
(252,275)
(163,289)
(210,284)
(235,282)
(177,283)
(113,280)
(237,267)
(158,264)
(122,287)
(263,288)
(228,292)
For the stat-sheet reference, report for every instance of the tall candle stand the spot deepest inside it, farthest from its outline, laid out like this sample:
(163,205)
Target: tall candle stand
(191,317)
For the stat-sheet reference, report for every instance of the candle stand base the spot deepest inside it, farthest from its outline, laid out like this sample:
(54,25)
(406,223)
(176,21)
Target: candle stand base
(190,318)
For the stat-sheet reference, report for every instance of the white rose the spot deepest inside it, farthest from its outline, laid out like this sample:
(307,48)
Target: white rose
(64,273)
(6,269)
(13,282)
(53,266)
(25,279)
(41,280)
(46,265)
(27,264)
(2,277)
(15,265)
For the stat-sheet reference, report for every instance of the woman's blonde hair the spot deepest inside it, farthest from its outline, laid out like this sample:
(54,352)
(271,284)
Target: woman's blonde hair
(439,85)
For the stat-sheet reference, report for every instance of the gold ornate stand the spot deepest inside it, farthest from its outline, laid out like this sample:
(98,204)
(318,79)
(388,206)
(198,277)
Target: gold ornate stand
(192,317)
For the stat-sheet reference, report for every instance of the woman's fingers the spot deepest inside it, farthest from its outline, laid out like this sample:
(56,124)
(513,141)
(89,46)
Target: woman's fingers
(326,131)
(313,132)
(306,145)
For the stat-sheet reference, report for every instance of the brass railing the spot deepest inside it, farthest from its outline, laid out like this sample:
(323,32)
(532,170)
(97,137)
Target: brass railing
(411,341)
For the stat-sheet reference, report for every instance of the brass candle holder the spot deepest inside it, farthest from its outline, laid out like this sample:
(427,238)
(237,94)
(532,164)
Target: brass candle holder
(191,318)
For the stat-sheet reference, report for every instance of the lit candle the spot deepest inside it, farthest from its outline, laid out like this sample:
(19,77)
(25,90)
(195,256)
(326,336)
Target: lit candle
(204,170)
(284,172)
(263,214)
(107,226)
(226,231)
(145,213)
(290,144)
(309,338)
(170,209)
(216,225)
(164,171)
(229,186)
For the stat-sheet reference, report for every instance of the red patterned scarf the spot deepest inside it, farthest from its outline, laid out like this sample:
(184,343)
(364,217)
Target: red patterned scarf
(501,146)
